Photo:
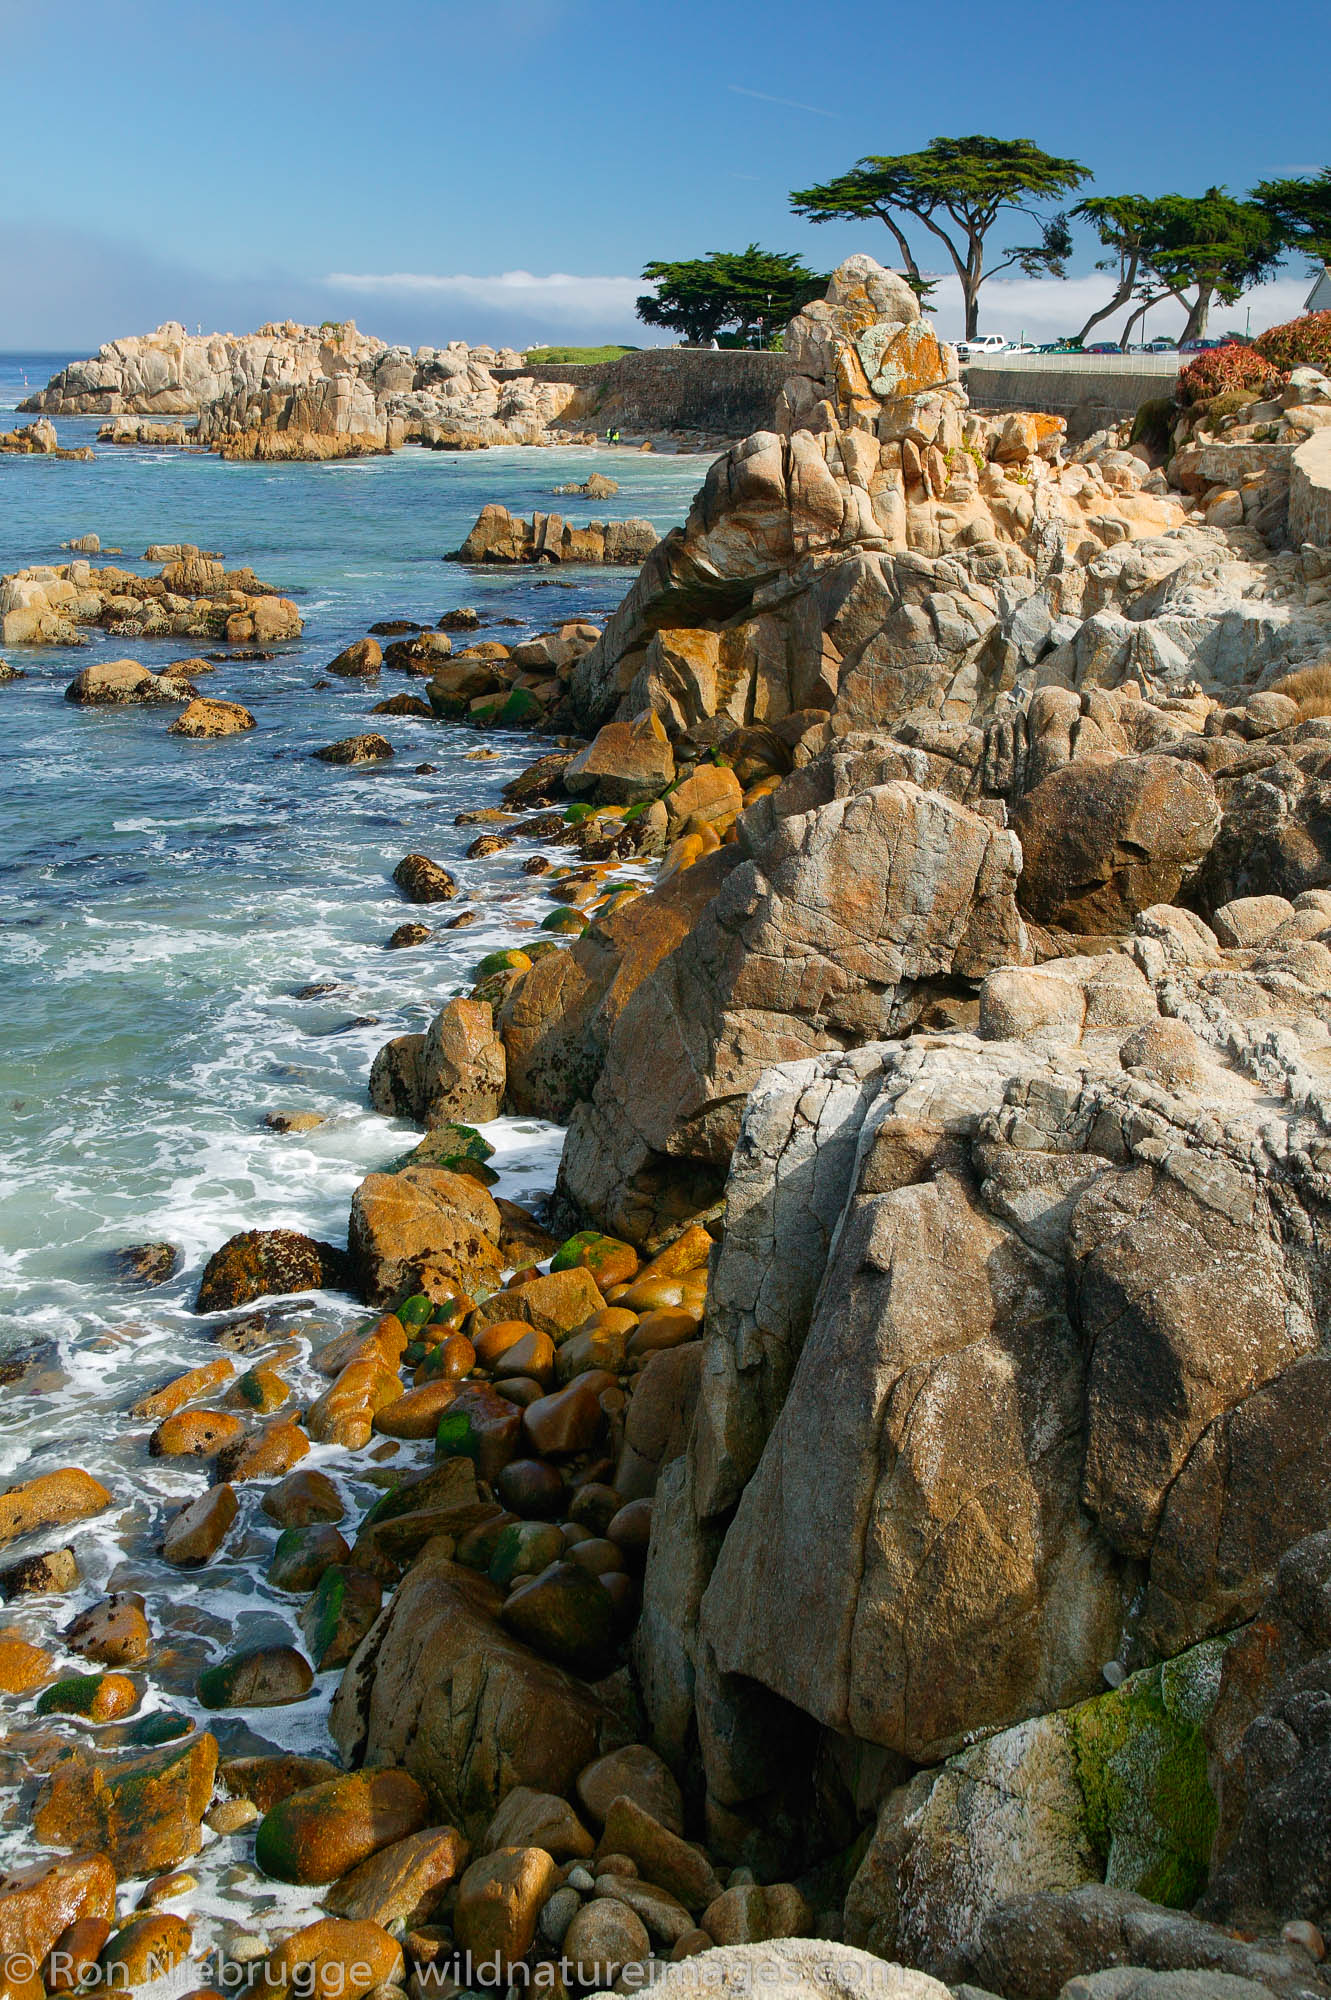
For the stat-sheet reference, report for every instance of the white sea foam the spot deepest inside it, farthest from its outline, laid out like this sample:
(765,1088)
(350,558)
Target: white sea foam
(162,907)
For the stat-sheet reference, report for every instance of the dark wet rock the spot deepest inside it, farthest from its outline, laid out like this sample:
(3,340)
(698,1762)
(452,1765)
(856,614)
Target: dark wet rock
(424,881)
(344,1606)
(564,1615)
(260,1677)
(261,1262)
(304,1496)
(304,1553)
(368,748)
(148,1263)
(405,704)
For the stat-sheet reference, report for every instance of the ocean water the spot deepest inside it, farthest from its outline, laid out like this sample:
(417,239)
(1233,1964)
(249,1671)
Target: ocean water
(162,903)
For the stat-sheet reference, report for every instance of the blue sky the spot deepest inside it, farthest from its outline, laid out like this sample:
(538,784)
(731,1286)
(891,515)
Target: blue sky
(503,170)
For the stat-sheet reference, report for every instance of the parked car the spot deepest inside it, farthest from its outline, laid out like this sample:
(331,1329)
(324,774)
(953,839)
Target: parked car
(1103,347)
(1201,346)
(1021,347)
(1058,347)
(983,343)
(1161,346)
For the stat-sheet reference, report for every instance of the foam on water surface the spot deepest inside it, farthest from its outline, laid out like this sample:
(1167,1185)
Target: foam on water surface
(162,904)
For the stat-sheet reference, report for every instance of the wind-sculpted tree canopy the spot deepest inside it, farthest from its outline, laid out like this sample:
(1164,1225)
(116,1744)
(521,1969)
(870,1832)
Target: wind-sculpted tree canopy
(745,290)
(1209,247)
(1301,208)
(957,189)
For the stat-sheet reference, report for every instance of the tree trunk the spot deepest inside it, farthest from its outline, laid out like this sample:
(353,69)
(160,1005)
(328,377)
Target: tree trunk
(1140,313)
(1120,298)
(1199,314)
(907,254)
(1123,291)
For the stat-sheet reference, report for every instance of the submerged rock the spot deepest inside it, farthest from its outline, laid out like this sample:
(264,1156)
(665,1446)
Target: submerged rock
(261,1677)
(148,1263)
(364,749)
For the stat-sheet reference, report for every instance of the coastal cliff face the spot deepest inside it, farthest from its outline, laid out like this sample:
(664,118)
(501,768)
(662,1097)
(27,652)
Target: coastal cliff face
(985,997)
(894,1507)
(279,391)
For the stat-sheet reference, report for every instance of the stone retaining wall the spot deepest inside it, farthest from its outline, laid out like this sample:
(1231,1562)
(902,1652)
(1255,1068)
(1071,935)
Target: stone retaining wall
(1310,492)
(734,391)
(729,390)
(1090,393)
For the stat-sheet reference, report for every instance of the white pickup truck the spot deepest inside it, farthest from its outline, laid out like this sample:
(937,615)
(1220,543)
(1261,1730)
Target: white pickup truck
(983,343)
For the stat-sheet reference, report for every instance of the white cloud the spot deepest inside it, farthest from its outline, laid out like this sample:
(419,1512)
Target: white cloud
(1045,308)
(559,295)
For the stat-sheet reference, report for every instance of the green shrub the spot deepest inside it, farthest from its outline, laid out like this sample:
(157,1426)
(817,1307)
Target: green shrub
(1153,424)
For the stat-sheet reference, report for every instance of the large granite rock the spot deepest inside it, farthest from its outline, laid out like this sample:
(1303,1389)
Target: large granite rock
(442,1690)
(790,1969)
(1270,1755)
(501,537)
(864,551)
(833,926)
(557,1020)
(46,605)
(1004,1350)
(423,1229)
(1115,1789)
(1102,840)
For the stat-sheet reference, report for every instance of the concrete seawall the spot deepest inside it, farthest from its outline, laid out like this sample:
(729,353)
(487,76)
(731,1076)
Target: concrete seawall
(733,391)
(1090,392)
(672,388)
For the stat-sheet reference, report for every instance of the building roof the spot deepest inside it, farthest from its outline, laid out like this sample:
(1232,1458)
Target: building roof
(1319,298)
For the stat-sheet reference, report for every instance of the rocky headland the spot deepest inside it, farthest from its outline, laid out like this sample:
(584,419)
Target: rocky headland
(290,391)
(303,392)
(879,1516)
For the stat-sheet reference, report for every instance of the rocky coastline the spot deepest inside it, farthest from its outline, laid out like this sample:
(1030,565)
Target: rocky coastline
(291,392)
(874,1528)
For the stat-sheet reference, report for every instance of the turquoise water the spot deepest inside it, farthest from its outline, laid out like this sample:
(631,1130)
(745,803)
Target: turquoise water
(160,900)
(162,903)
